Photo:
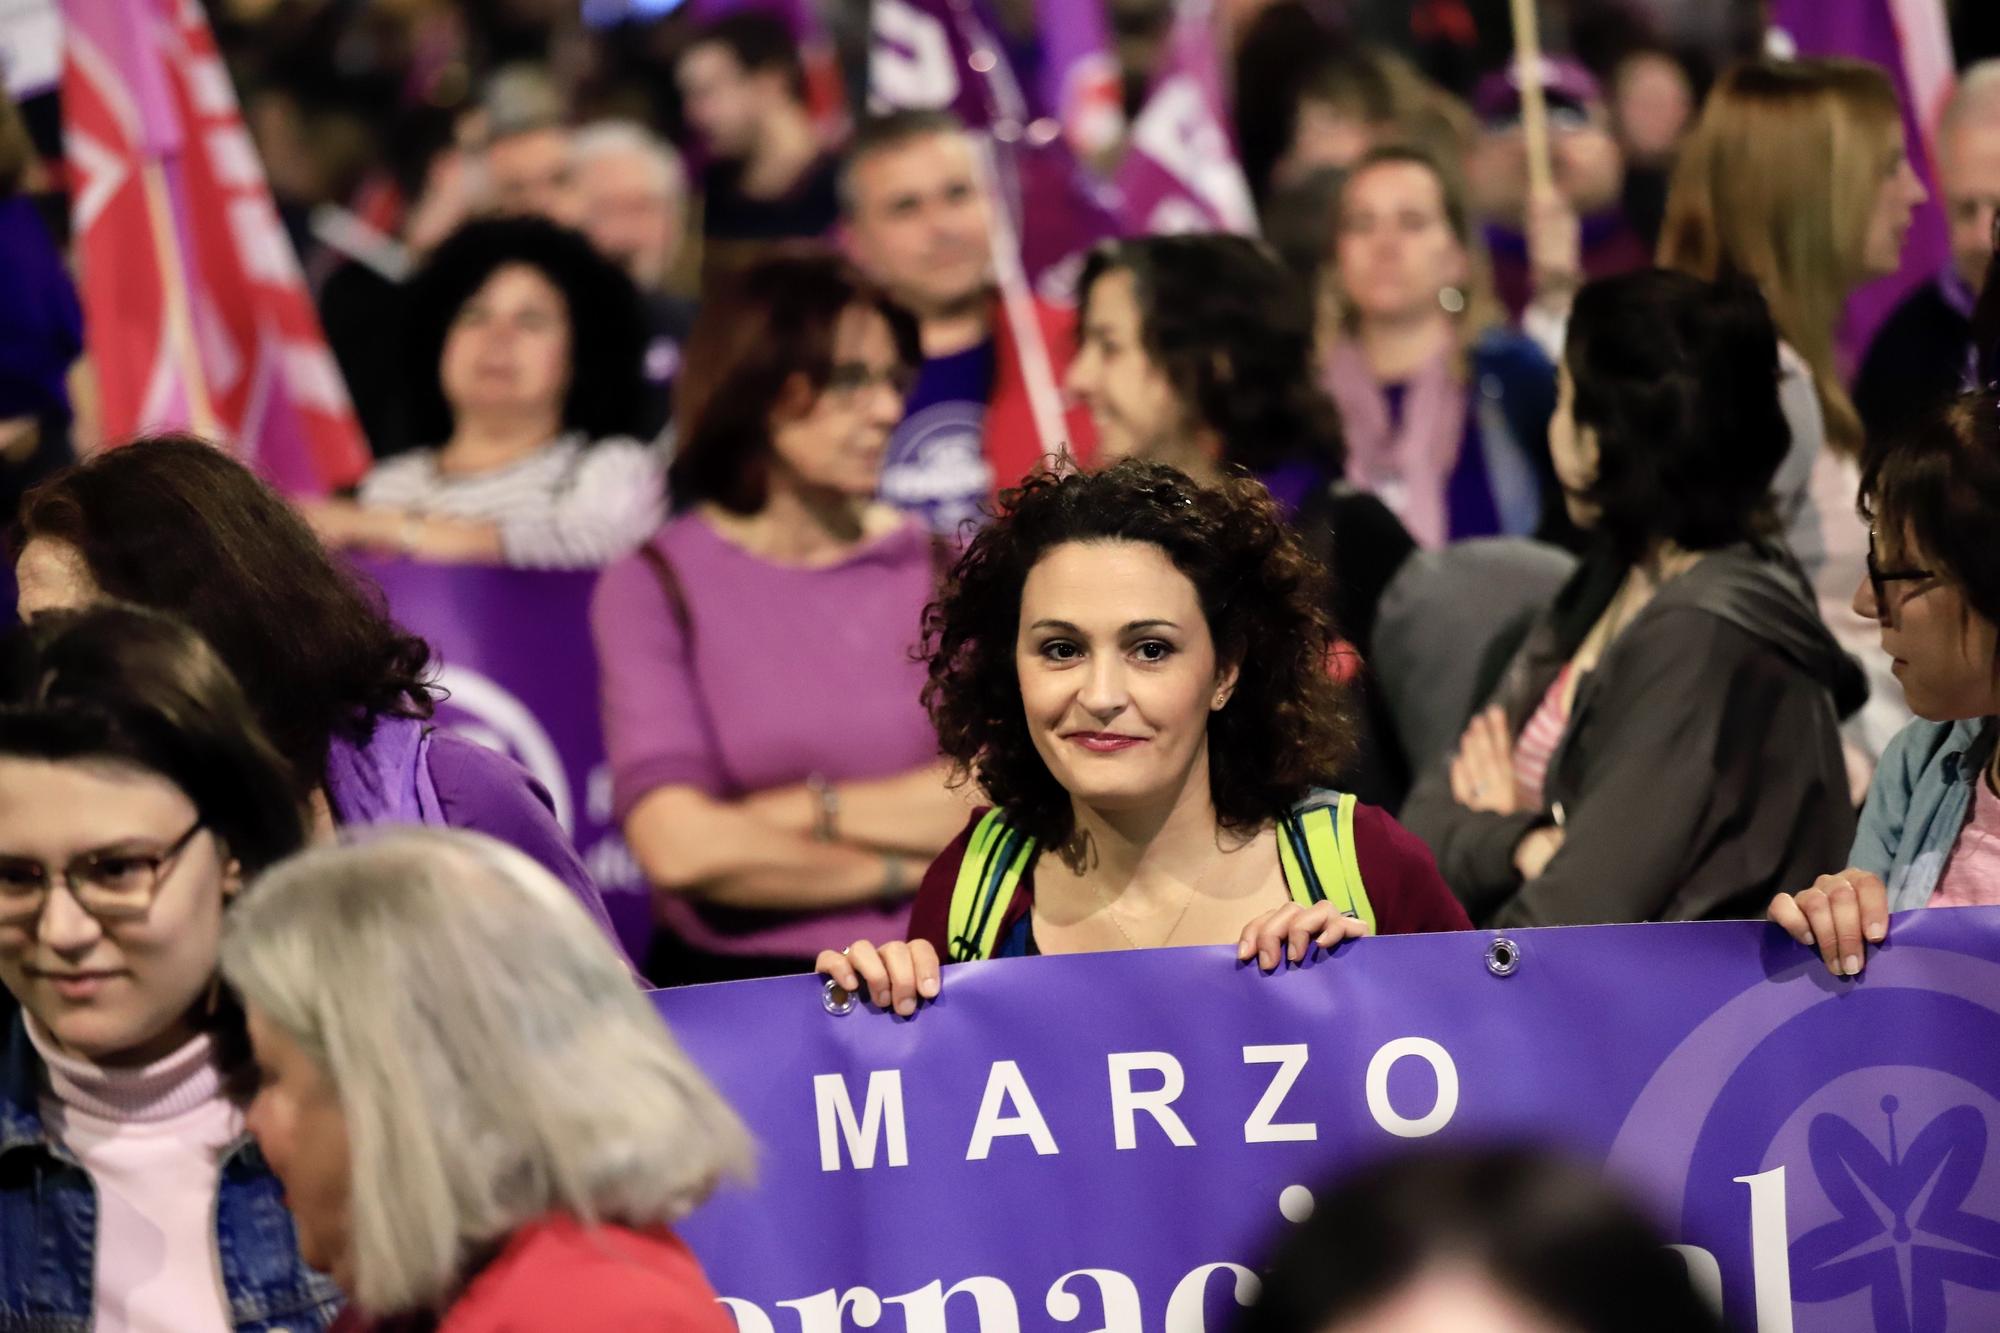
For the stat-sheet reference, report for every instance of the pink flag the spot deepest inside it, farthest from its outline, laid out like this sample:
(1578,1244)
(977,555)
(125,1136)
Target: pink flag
(195,312)
(1180,171)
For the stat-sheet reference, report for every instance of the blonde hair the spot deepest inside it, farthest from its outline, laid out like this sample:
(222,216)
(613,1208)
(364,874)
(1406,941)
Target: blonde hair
(492,1058)
(1778,183)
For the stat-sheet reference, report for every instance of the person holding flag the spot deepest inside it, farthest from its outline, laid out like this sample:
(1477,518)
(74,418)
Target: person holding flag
(919,222)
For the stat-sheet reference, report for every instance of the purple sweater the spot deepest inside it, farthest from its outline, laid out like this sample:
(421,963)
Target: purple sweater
(786,672)
(412,773)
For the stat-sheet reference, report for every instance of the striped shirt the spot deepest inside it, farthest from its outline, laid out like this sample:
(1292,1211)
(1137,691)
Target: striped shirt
(1537,743)
(567,505)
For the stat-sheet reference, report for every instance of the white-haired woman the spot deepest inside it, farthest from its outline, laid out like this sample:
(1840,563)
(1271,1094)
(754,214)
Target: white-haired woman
(479,1123)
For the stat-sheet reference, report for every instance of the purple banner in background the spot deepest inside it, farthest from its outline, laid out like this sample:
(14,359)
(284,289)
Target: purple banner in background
(1114,1141)
(522,674)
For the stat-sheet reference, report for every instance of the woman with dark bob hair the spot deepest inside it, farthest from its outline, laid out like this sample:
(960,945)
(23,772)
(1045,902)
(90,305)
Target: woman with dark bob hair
(525,356)
(137,799)
(1930,832)
(1478,1241)
(1133,667)
(1197,351)
(770,762)
(1664,744)
(175,524)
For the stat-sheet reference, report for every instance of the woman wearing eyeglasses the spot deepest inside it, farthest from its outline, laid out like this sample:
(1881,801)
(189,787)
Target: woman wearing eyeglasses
(771,763)
(1930,832)
(137,797)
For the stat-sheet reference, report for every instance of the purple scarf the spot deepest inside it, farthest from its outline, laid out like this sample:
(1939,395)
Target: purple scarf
(386,781)
(1408,464)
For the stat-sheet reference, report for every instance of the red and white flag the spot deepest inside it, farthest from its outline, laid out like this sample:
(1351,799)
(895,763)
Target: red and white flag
(196,315)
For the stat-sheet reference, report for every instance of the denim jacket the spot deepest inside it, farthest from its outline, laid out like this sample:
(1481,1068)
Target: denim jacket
(48,1224)
(1918,803)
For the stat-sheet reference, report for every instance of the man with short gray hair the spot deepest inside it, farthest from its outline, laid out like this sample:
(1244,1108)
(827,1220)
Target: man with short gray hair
(1922,354)
(634,192)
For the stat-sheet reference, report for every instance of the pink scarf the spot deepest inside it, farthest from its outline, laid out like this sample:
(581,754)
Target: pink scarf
(1406,466)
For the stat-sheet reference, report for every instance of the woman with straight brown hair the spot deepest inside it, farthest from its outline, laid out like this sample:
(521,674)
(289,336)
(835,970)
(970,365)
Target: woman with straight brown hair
(771,763)
(1797,178)
(1445,410)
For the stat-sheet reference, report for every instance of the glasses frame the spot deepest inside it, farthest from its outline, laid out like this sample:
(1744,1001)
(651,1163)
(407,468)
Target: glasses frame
(74,870)
(1879,580)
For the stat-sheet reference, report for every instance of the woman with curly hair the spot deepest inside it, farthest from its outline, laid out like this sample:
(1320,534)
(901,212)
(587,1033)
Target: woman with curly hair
(1133,667)
(526,357)
(1197,351)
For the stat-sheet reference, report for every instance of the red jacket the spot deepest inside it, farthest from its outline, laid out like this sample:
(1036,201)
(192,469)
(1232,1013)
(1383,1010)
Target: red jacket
(1013,446)
(556,1275)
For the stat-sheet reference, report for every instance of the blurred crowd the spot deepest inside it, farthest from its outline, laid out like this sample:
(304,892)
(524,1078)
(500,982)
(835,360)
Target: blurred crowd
(1462,550)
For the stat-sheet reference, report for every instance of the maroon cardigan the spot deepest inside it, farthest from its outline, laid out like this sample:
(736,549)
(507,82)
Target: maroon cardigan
(1397,869)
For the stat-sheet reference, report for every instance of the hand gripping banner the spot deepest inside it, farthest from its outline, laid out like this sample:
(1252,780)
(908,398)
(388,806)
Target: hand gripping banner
(1113,1142)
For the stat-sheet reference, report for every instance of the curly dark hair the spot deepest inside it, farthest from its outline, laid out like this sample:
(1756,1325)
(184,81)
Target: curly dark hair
(1679,379)
(607,324)
(175,524)
(1232,329)
(1286,728)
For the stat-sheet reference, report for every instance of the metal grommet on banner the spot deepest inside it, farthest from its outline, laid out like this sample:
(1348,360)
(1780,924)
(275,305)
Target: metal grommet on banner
(836,1001)
(1502,957)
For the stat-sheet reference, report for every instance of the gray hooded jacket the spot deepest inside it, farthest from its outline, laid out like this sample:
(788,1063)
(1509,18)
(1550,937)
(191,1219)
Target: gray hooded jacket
(1701,771)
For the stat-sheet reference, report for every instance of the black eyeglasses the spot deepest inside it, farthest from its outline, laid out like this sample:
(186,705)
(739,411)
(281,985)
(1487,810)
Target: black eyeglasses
(1879,578)
(111,885)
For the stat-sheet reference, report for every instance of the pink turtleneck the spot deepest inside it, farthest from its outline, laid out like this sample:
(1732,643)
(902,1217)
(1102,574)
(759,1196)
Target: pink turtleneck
(153,1140)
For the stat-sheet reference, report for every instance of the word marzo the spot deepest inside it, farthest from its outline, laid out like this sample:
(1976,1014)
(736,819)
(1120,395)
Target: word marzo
(1008,1107)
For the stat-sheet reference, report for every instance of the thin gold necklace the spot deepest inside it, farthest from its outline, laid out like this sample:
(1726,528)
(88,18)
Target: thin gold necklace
(1111,911)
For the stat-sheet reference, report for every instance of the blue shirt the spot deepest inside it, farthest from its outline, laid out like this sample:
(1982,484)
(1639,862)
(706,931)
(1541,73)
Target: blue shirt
(936,468)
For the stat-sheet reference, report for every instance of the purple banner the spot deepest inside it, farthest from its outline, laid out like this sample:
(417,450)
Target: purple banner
(1113,1142)
(522,674)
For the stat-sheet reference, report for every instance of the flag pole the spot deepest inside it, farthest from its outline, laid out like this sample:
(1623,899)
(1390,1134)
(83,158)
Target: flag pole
(1534,106)
(1018,305)
(174,290)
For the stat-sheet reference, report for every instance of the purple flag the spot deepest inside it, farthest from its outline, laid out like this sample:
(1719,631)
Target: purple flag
(1080,84)
(1115,1141)
(1180,171)
(945,54)
(1911,40)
